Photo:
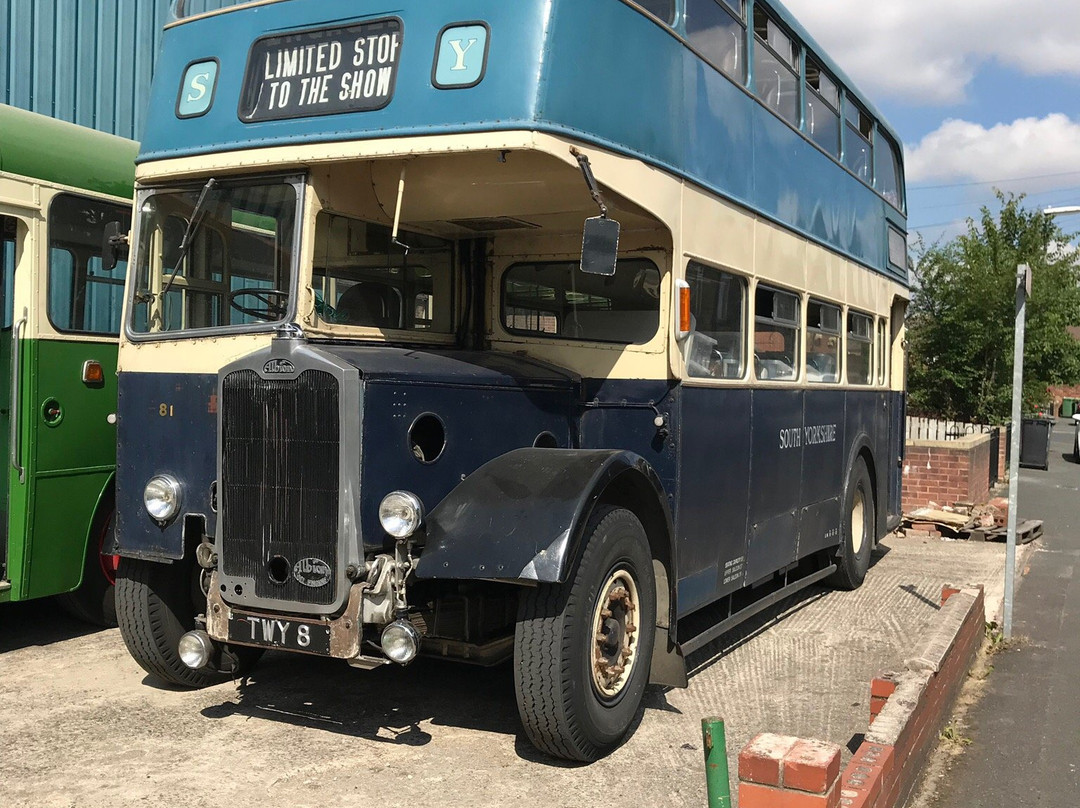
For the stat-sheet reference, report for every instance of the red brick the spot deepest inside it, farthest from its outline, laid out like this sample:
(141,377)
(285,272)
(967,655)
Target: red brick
(812,766)
(752,795)
(760,761)
(947,592)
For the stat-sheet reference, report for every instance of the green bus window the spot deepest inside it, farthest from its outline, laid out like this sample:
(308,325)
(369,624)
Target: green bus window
(822,342)
(776,77)
(822,108)
(859,348)
(776,334)
(7,271)
(362,278)
(558,300)
(82,297)
(716,30)
(716,347)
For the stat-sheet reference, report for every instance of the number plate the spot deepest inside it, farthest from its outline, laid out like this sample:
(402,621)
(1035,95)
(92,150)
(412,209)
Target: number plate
(279,632)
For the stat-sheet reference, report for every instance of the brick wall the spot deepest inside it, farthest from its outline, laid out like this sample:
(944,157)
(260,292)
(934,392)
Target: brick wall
(944,472)
(908,709)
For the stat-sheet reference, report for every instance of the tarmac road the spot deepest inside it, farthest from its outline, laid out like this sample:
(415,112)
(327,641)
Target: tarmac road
(1025,732)
(82,725)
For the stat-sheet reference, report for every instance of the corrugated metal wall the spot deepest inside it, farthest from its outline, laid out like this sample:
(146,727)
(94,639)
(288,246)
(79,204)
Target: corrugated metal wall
(85,61)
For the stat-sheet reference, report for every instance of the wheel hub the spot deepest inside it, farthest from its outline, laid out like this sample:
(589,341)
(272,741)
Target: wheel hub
(614,634)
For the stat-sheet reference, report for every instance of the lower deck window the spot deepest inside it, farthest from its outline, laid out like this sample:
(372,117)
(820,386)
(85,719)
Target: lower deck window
(859,348)
(556,299)
(822,342)
(716,345)
(776,334)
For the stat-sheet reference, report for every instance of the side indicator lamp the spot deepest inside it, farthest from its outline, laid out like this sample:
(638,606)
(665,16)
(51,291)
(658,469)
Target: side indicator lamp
(685,320)
(92,373)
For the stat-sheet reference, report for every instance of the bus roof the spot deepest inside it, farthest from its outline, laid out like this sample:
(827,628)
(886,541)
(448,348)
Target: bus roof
(43,148)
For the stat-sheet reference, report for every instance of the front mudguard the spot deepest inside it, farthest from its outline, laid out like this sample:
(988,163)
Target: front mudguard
(520,516)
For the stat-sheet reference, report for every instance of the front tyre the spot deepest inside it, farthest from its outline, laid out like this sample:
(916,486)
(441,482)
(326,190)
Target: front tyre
(857,530)
(583,648)
(156,604)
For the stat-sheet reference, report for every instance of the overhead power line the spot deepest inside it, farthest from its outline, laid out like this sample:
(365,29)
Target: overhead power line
(916,187)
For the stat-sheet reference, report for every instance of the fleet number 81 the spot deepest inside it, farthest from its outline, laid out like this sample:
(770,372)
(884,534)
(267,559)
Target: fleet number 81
(165,410)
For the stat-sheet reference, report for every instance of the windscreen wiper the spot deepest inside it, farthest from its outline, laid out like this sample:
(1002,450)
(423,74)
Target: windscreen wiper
(189,233)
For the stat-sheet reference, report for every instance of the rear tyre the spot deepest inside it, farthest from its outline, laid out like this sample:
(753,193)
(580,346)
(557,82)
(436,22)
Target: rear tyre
(95,599)
(583,648)
(156,604)
(857,529)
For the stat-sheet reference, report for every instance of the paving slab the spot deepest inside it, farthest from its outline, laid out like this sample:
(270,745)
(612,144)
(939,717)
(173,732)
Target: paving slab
(83,726)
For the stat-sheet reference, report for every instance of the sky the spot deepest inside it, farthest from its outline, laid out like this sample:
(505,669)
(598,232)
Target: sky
(984,94)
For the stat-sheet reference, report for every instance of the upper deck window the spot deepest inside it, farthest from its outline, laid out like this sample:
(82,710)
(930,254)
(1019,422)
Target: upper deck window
(776,77)
(858,151)
(214,256)
(83,297)
(662,9)
(887,172)
(716,30)
(362,278)
(558,300)
(822,108)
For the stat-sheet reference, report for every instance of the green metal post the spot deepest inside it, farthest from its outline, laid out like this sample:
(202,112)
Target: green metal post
(716,768)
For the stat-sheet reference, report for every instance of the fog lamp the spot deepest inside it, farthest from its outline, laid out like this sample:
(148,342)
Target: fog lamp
(162,497)
(401,641)
(401,513)
(195,649)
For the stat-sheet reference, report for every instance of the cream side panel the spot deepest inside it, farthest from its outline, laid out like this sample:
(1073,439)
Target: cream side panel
(825,273)
(187,355)
(779,257)
(652,189)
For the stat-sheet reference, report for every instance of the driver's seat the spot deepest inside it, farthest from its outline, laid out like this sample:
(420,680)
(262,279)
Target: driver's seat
(370,304)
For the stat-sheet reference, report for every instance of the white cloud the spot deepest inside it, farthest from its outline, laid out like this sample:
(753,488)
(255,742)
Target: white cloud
(1028,147)
(927,51)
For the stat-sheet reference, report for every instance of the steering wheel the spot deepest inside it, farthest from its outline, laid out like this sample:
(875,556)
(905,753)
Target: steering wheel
(274,302)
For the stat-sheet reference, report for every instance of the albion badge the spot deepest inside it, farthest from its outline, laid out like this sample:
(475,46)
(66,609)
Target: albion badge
(278,367)
(312,572)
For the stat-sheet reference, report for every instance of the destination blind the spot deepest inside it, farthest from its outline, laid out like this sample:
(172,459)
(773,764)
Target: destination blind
(322,72)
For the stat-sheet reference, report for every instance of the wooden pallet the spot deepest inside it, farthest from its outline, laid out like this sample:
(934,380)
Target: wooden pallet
(1026,532)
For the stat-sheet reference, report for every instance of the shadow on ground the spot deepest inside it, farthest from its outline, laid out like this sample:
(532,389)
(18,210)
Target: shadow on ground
(38,622)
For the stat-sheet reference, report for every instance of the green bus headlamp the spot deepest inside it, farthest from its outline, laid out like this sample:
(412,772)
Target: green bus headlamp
(162,497)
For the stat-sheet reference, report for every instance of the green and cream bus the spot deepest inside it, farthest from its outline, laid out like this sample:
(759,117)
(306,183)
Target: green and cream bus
(61,187)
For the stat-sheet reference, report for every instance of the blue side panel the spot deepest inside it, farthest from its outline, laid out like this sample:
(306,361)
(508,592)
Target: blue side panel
(714,479)
(666,106)
(504,100)
(188,431)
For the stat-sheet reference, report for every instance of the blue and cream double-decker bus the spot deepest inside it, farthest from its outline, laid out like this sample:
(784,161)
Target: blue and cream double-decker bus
(560,332)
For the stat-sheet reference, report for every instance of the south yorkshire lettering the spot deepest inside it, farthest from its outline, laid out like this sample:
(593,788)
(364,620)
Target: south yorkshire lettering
(796,437)
(309,75)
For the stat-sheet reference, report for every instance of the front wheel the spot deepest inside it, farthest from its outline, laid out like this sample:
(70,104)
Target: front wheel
(156,604)
(583,648)
(857,530)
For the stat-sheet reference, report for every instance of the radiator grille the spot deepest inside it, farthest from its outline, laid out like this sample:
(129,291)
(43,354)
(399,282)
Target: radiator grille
(280,442)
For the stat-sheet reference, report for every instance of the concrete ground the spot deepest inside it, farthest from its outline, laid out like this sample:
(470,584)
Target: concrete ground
(83,726)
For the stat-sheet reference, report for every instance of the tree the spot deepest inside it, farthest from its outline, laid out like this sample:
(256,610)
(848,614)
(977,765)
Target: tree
(963,312)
